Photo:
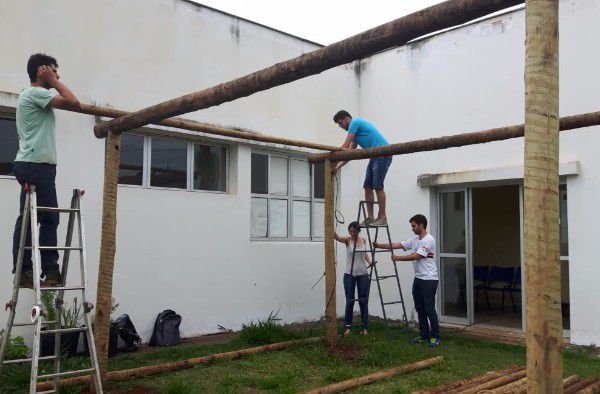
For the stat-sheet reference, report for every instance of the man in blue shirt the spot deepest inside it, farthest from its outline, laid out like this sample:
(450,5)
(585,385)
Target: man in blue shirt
(364,134)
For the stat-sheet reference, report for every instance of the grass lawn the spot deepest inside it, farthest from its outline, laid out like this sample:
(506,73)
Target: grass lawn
(309,366)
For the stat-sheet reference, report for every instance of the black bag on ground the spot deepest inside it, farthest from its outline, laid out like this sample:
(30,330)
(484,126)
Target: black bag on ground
(128,333)
(166,329)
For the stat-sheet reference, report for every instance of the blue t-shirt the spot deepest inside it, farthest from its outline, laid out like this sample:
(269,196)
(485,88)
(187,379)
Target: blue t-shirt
(365,134)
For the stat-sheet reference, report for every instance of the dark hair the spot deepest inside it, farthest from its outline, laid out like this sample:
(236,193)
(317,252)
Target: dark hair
(37,60)
(355,226)
(341,115)
(419,219)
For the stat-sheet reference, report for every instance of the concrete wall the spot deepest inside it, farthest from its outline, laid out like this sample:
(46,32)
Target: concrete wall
(471,79)
(187,251)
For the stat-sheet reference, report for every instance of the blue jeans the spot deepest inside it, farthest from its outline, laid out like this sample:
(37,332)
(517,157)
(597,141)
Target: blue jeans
(376,172)
(424,297)
(42,176)
(361,283)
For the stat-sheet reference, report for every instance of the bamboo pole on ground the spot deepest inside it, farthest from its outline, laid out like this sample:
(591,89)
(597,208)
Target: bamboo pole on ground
(492,384)
(330,272)
(393,34)
(464,384)
(374,377)
(522,389)
(453,141)
(541,213)
(107,251)
(181,364)
(192,125)
(578,386)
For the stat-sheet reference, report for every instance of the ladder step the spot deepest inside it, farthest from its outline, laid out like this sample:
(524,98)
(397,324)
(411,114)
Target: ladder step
(386,277)
(67,373)
(54,209)
(394,302)
(56,248)
(374,250)
(53,288)
(45,392)
(33,324)
(63,330)
(25,360)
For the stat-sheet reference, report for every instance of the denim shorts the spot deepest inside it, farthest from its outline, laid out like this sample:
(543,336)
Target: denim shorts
(376,171)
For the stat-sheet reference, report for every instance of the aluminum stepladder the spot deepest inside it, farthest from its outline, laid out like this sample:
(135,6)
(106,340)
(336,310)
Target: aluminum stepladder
(362,215)
(30,213)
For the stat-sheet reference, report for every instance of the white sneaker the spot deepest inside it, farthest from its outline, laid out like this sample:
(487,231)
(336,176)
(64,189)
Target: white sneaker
(379,222)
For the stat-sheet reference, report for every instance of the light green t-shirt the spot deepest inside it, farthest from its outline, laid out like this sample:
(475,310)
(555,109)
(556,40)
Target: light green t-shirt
(35,125)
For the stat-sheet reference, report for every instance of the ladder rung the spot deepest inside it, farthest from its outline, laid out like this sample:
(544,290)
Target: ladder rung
(394,302)
(373,250)
(53,209)
(56,248)
(63,330)
(25,360)
(53,288)
(386,277)
(368,202)
(66,373)
(33,324)
(45,392)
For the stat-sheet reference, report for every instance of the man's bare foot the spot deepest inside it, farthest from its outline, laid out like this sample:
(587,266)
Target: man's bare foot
(347,332)
(364,332)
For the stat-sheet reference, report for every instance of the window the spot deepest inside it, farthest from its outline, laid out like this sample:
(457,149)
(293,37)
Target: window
(287,198)
(172,163)
(9,145)
(169,163)
(131,170)
(564,257)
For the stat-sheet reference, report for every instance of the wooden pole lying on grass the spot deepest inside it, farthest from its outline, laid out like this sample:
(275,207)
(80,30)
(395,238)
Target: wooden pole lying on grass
(393,34)
(541,228)
(192,125)
(331,334)
(454,387)
(522,388)
(181,364)
(453,141)
(578,386)
(492,384)
(108,246)
(374,377)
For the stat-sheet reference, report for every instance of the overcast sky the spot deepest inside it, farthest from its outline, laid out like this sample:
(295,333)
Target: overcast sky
(322,21)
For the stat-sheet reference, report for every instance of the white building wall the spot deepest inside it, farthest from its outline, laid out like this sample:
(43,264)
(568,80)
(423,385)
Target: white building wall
(189,251)
(471,79)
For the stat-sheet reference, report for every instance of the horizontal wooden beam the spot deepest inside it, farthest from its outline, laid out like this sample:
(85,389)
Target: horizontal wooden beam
(452,141)
(393,34)
(193,125)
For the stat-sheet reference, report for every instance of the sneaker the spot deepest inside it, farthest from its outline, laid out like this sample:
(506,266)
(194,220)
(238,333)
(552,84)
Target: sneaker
(434,342)
(52,278)
(26,279)
(367,222)
(379,222)
(419,340)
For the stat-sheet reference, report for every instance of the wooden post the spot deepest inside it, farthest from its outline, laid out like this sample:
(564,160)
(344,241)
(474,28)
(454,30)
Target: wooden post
(390,35)
(107,251)
(330,274)
(541,214)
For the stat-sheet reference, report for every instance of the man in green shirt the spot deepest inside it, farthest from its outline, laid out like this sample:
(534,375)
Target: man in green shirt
(35,163)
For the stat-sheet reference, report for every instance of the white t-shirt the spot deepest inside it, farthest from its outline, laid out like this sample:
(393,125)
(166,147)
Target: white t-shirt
(425,267)
(360,265)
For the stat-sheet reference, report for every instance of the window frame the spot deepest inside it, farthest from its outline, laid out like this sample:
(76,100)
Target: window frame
(147,162)
(9,116)
(289,197)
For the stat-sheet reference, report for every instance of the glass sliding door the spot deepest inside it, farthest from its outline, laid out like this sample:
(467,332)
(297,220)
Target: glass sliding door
(453,245)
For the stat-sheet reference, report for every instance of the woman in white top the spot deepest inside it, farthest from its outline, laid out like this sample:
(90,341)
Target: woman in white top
(356,276)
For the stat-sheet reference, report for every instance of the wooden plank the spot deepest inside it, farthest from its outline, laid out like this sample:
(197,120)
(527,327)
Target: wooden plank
(192,125)
(541,204)
(181,364)
(330,273)
(453,141)
(108,246)
(375,377)
(393,34)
